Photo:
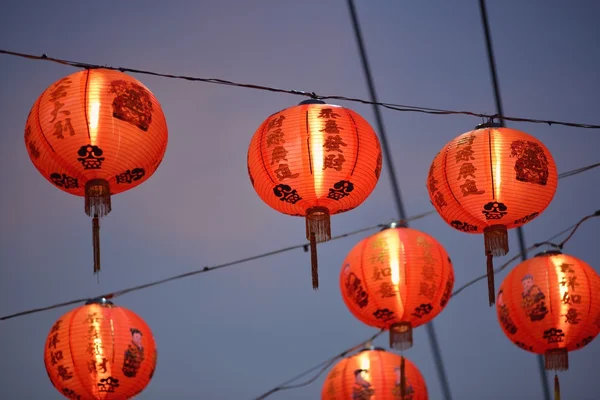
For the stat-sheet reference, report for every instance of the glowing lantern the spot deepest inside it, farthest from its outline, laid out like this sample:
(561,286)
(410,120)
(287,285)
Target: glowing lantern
(490,180)
(374,374)
(549,305)
(314,160)
(397,279)
(96,133)
(100,351)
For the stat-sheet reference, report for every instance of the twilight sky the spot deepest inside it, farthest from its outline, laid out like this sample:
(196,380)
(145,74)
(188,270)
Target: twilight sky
(237,332)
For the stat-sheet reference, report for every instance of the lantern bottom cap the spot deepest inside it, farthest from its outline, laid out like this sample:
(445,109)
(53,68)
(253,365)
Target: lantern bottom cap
(496,240)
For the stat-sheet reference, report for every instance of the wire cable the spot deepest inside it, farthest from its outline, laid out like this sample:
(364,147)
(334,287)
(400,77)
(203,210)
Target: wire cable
(390,106)
(243,260)
(329,362)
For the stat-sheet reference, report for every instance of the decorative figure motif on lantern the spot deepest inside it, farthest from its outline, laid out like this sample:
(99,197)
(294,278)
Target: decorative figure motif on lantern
(490,180)
(314,160)
(548,305)
(96,133)
(85,345)
(406,279)
(374,373)
(134,355)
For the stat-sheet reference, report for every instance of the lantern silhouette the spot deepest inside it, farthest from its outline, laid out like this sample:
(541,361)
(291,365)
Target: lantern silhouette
(374,374)
(549,305)
(490,180)
(314,160)
(100,351)
(397,279)
(96,133)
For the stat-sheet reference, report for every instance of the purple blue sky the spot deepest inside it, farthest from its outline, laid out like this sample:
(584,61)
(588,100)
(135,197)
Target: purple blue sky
(237,332)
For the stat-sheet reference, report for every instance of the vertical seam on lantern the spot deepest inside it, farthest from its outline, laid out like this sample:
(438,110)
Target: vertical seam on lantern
(85,387)
(308,144)
(357,141)
(38,102)
(491,163)
(381,372)
(548,284)
(589,290)
(362,272)
(344,388)
(112,335)
(85,104)
(262,158)
(444,166)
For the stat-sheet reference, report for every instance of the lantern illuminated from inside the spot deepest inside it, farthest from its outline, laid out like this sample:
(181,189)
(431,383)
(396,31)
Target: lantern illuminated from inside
(490,180)
(314,160)
(100,351)
(374,374)
(549,305)
(96,133)
(397,279)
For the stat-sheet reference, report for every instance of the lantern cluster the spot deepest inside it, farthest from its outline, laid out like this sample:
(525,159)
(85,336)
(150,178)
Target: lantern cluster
(374,374)
(489,180)
(98,132)
(100,351)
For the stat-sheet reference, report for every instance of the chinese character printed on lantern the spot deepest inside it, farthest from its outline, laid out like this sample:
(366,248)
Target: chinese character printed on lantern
(467,170)
(61,118)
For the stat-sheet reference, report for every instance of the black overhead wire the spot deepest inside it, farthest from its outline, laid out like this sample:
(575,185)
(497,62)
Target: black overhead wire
(430,327)
(391,106)
(499,110)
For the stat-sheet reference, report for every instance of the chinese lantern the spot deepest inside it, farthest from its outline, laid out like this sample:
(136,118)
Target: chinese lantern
(374,374)
(314,160)
(100,351)
(490,180)
(549,305)
(397,279)
(96,133)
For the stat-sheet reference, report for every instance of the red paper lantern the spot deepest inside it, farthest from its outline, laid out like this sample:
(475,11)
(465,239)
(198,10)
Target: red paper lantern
(314,160)
(100,351)
(490,180)
(397,279)
(96,133)
(374,374)
(550,305)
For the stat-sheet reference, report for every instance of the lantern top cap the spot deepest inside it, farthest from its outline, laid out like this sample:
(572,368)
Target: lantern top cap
(395,224)
(372,348)
(99,300)
(548,253)
(489,124)
(311,101)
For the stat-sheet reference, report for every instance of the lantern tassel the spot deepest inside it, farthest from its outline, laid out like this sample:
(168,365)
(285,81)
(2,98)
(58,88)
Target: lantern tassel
(318,230)
(402,378)
(490,279)
(556,388)
(96,243)
(401,337)
(314,261)
(557,359)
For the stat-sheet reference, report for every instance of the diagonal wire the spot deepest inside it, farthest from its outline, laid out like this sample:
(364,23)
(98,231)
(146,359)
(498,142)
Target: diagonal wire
(327,363)
(274,252)
(390,106)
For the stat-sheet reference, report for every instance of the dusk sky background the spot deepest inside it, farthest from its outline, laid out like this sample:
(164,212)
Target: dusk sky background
(237,332)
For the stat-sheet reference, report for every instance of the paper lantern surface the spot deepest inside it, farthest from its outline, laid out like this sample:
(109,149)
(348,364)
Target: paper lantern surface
(550,302)
(398,275)
(96,124)
(373,374)
(100,351)
(492,176)
(314,154)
